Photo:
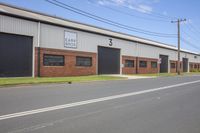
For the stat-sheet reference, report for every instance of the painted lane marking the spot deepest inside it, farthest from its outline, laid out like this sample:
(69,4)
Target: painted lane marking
(64,106)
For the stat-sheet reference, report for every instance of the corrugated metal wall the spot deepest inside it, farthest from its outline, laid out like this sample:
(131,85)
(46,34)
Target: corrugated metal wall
(53,37)
(18,26)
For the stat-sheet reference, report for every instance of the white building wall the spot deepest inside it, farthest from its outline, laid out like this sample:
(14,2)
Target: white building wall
(192,58)
(53,37)
(154,52)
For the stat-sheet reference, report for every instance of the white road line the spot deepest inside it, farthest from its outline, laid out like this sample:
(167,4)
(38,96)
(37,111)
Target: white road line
(64,106)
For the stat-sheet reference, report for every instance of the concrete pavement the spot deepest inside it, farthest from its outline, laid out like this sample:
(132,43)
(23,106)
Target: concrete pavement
(175,109)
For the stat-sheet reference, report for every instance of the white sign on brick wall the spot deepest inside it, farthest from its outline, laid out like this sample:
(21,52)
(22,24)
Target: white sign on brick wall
(70,39)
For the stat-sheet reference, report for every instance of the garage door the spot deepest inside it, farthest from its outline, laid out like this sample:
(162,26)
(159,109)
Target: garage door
(164,64)
(15,55)
(108,60)
(185,64)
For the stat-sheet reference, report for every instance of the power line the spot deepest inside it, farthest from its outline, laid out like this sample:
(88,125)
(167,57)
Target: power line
(161,15)
(164,34)
(152,13)
(131,15)
(89,15)
(190,36)
(194,29)
(189,43)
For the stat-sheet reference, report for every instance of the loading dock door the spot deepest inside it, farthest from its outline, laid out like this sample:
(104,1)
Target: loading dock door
(108,60)
(164,64)
(15,55)
(185,64)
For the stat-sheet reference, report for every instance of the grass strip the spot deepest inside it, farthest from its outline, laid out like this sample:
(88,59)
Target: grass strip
(31,80)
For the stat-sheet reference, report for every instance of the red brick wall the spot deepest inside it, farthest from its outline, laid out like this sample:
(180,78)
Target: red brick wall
(192,66)
(148,69)
(128,70)
(69,69)
(36,63)
(139,70)
(173,70)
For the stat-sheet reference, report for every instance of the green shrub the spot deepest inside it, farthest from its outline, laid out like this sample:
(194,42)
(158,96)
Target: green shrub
(195,70)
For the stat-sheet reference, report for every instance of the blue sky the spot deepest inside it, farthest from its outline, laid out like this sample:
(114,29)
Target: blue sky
(149,15)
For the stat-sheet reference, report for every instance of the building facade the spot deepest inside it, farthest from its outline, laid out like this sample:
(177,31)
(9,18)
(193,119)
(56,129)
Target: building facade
(35,44)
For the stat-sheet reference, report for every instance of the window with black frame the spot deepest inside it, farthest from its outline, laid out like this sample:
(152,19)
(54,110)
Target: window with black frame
(143,64)
(154,64)
(53,60)
(129,63)
(83,61)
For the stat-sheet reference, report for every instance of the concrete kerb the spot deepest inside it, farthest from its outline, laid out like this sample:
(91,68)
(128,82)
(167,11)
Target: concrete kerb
(131,76)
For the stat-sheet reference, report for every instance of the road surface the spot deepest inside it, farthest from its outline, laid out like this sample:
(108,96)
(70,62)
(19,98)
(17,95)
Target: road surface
(157,105)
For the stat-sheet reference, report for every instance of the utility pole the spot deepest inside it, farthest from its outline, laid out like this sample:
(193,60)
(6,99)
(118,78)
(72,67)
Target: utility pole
(178,25)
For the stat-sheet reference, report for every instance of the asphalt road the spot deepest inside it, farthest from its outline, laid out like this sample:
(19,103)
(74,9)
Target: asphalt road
(158,105)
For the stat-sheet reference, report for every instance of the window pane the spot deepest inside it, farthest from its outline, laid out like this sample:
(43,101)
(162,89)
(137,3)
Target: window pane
(53,60)
(83,61)
(153,64)
(129,63)
(143,64)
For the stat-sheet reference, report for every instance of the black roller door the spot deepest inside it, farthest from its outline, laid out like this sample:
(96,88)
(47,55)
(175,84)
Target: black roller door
(185,64)
(108,60)
(15,55)
(164,64)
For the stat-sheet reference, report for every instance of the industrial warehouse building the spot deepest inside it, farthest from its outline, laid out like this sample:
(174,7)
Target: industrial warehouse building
(36,44)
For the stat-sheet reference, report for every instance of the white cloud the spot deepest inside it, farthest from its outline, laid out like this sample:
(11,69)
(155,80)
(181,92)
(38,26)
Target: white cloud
(120,2)
(143,6)
(165,13)
(111,2)
(101,2)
